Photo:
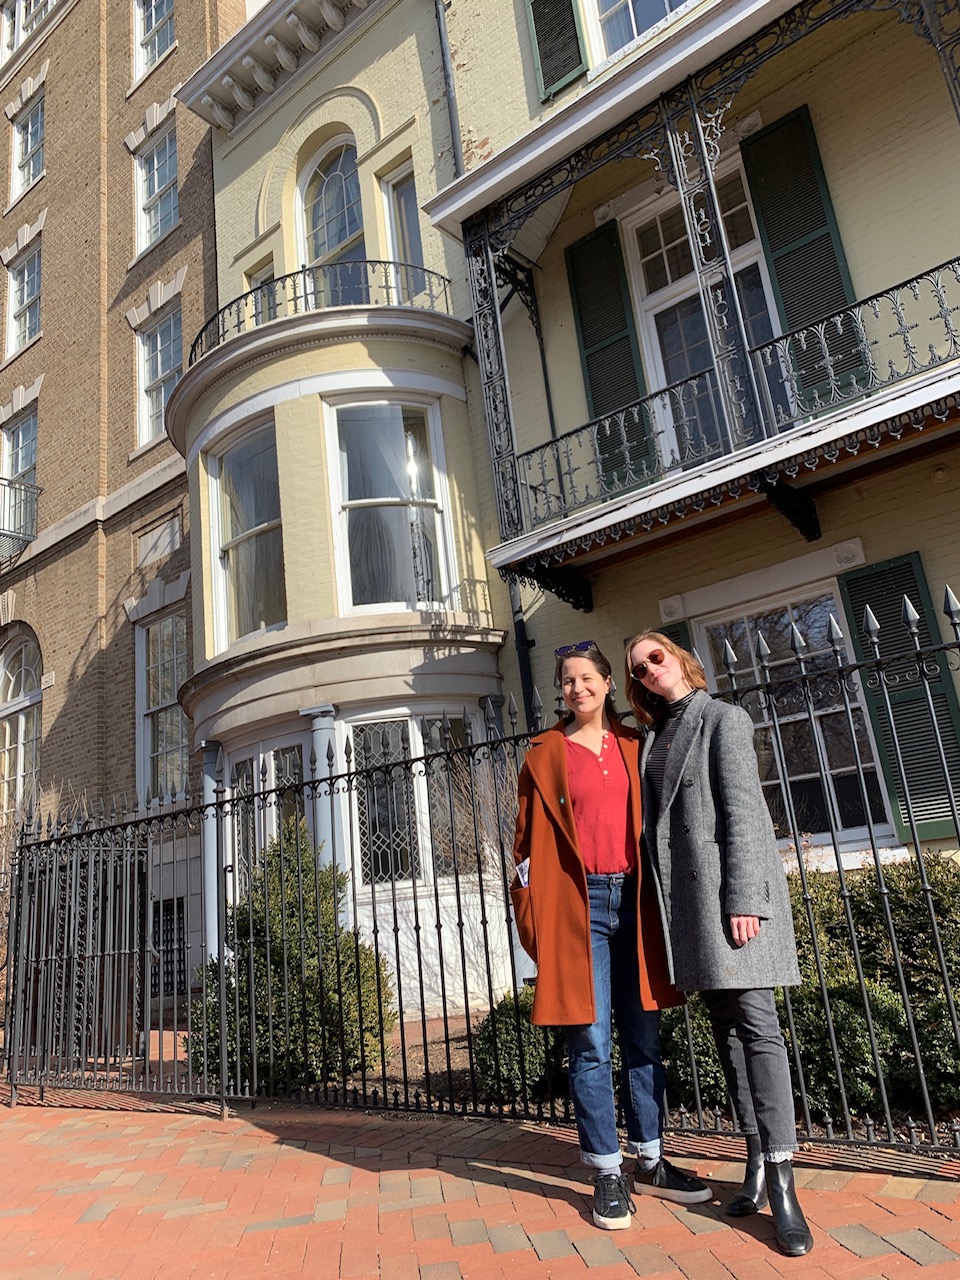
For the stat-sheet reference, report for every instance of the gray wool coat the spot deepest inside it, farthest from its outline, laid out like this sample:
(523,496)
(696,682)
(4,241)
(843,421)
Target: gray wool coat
(714,854)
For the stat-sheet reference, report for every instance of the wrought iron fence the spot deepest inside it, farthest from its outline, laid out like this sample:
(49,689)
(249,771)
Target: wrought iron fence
(359,283)
(345,934)
(868,347)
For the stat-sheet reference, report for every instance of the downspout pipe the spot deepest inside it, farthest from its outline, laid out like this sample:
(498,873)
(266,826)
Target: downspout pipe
(521,639)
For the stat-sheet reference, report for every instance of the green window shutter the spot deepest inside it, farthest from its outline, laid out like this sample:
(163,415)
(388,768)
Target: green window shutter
(678,632)
(558,46)
(882,587)
(609,355)
(801,242)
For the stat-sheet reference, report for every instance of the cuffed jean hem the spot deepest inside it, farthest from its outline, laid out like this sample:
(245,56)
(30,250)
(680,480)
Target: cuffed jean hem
(645,1150)
(611,1163)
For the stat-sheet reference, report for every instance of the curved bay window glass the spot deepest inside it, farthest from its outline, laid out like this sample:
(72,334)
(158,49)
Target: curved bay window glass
(251,537)
(334,231)
(390,506)
(20,671)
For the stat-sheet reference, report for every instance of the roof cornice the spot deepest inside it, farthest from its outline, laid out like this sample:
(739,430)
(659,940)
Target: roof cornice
(283,38)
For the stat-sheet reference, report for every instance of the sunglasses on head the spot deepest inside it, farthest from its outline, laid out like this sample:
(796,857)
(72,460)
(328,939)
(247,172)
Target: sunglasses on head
(565,650)
(655,658)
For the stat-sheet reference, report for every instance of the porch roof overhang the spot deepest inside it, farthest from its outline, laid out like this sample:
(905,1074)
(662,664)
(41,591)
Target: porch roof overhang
(691,41)
(605,529)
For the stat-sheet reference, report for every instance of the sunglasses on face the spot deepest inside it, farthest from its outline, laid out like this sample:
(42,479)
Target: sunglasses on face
(565,650)
(655,658)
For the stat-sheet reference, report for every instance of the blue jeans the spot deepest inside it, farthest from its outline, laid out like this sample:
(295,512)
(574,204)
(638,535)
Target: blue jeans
(616,986)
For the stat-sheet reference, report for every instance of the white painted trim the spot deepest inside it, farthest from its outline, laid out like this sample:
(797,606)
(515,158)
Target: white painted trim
(158,597)
(449,580)
(25,235)
(365,382)
(27,90)
(785,576)
(724,471)
(709,31)
(21,397)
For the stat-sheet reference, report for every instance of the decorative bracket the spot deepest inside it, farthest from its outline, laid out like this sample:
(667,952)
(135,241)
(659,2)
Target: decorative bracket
(796,505)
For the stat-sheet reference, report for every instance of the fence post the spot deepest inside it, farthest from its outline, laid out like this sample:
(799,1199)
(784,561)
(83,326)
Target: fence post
(208,846)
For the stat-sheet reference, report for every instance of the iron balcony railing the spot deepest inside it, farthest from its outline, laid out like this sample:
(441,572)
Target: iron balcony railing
(18,516)
(360,283)
(853,354)
(346,934)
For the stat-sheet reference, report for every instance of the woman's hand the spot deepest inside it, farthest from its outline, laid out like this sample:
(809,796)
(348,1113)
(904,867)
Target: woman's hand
(743,928)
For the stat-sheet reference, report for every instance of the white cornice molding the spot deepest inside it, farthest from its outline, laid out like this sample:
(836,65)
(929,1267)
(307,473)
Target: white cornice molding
(280,40)
(25,234)
(30,86)
(155,115)
(312,329)
(158,295)
(21,397)
(707,31)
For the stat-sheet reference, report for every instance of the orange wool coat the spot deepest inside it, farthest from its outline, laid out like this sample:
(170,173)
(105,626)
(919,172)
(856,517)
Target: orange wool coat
(553,911)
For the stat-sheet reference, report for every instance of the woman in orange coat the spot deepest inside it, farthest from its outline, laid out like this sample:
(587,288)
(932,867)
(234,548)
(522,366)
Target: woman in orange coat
(587,915)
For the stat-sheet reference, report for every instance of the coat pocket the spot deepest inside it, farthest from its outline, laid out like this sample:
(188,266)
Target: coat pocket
(523,915)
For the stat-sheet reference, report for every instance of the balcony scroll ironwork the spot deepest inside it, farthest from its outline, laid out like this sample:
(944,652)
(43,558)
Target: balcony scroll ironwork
(359,283)
(853,355)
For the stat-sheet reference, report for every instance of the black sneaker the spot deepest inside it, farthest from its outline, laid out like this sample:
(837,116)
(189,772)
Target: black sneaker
(612,1202)
(670,1183)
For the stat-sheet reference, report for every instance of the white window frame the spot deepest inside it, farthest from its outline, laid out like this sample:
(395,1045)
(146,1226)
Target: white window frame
(306,177)
(593,30)
(220,613)
(413,716)
(18,506)
(144,712)
(21,308)
(263,314)
(19,20)
(146,51)
(148,203)
(147,385)
(647,307)
(404,283)
(449,580)
(849,838)
(23,153)
(16,709)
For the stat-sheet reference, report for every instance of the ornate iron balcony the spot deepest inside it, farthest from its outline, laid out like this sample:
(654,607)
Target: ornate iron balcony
(337,284)
(854,354)
(18,517)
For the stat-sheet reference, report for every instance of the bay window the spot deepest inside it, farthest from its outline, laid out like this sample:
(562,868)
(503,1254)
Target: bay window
(391,518)
(250,535)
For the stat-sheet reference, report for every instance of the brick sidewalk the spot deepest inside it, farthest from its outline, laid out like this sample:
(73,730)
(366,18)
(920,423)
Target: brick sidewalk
(98,1195)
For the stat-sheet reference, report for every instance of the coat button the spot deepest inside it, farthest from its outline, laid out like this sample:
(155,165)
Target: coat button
(693,875)
(685,830)
(688,782)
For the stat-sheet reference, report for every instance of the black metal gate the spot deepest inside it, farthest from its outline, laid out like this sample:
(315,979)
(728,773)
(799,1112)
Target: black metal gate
(344,935)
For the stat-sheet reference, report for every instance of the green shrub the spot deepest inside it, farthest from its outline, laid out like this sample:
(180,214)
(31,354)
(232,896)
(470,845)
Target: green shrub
(498,1049)
(305,996)
(908,908)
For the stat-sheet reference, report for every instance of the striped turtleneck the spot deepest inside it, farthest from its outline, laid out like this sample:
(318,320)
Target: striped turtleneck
(664,734)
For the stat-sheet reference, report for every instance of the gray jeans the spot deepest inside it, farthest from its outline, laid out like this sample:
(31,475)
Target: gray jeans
(754,1060)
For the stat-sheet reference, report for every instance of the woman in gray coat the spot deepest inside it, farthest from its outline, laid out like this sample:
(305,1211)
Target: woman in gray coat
(725,904)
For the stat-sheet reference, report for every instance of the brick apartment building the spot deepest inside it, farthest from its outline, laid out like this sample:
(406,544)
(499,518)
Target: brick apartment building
(108,257)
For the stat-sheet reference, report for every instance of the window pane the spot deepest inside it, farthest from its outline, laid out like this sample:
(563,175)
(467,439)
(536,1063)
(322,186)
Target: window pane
(256,592)
(332,204)
(249,487)
(407,221)
(385,803)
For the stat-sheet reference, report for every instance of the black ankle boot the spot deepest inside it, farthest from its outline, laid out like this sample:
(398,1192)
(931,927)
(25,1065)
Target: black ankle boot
(753,1193)
(793,1234)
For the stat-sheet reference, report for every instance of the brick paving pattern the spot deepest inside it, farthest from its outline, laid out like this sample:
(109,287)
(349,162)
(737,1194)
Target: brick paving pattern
(108,1195)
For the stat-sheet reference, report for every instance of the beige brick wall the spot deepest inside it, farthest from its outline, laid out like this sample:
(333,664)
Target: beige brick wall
(71,588)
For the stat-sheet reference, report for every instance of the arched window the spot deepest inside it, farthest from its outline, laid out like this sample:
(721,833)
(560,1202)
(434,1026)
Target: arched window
(20,671)
(333,228)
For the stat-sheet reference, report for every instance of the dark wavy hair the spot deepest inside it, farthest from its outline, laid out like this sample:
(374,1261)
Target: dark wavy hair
(601,662)
(650,707)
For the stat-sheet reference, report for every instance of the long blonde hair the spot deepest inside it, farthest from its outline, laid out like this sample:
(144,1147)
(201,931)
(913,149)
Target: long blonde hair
(650,707)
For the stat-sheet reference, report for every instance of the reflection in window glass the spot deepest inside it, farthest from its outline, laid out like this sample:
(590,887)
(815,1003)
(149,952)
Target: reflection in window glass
(251,540)
(20,674)
(820,754)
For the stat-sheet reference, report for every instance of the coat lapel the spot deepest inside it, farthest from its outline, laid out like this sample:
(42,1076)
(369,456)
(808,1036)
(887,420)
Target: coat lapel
(680,748)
